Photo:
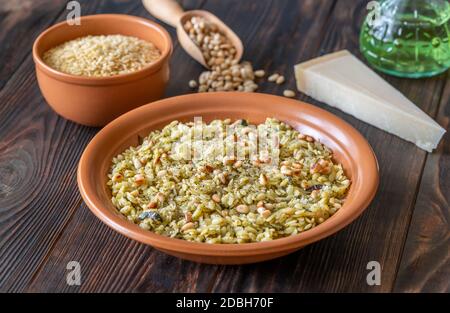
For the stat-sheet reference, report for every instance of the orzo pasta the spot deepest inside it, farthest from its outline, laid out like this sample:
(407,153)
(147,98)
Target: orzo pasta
(100,56)
(225,197)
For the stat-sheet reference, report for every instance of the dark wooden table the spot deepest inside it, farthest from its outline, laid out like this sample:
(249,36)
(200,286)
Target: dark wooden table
(44,223)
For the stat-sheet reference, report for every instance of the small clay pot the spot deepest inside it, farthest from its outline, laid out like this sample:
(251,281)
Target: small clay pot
(348,145)
(95,101)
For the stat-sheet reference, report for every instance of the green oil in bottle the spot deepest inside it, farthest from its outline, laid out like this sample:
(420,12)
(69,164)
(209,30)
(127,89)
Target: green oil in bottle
(408,38)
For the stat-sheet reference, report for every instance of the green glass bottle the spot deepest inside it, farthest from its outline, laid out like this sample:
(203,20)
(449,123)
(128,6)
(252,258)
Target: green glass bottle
(407,38)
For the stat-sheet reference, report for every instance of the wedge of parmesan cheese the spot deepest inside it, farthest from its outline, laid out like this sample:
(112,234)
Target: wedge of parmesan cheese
(342,81)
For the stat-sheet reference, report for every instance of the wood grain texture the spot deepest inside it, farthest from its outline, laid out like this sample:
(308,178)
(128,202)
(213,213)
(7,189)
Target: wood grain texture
(44,224)
(425,265)
(20,22)
(380,233)
(150,269)
(339,263)
(39,153)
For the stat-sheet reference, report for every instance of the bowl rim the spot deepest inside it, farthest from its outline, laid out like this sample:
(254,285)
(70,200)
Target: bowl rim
(133,231)
(87,80)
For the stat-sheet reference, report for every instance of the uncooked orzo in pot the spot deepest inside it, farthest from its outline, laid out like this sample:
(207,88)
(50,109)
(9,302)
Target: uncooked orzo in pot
(233,191)
(101,56)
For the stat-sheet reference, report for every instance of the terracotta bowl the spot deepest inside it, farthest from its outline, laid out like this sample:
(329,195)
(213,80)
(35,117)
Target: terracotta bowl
(95,101)
(349,148)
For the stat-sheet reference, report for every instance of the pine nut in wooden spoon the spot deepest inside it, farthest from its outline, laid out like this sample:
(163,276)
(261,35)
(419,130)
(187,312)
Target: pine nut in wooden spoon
(170,12)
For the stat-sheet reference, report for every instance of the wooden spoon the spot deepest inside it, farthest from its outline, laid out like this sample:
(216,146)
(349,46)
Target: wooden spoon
(170,12)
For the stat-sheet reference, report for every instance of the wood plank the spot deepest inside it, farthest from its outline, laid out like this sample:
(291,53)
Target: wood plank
(39,152)
(425,265)
(111,262)
(290,32)
(21,21)
(339,262)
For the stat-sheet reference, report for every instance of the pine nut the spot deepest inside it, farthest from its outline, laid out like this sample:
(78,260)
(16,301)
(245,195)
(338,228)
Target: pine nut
(259,73)
(117,177)
(160,197)
(216,198)
(269,206)
(139,179)
(193,83)
(187,226)
(137,164)
(188,217)
(242,209)
(229,160)
(223,178)
(260,209)
(263,179)
(220,56)
(280,80)
(289,93)
(309,139)
(273,77)
(285,171)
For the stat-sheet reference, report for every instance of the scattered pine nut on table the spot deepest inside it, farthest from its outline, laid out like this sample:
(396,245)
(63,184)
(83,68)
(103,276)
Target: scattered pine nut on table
(289,93)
